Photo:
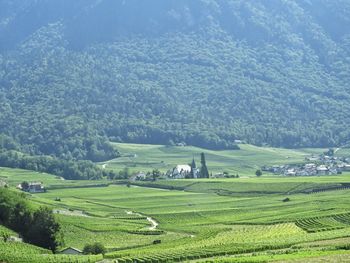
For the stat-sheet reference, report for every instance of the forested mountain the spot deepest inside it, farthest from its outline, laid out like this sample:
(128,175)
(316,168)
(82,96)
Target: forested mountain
(76,74)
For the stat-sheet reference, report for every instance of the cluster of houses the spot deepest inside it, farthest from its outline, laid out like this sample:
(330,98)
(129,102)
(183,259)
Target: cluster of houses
(316,165)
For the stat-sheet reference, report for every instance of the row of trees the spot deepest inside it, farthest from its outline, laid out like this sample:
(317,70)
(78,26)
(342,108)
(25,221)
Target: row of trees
(38,227)
(68,169)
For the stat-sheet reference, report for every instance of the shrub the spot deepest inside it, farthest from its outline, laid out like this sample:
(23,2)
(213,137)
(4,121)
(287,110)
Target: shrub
(94,249)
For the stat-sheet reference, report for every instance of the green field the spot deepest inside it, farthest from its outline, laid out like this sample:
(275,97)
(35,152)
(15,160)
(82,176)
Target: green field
(16,176)
(243,219)
(144,157)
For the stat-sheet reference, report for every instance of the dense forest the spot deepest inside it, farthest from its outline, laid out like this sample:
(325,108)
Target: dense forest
(75,75)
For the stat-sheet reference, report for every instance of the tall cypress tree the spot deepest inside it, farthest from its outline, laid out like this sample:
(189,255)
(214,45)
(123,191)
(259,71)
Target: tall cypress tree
(204,168)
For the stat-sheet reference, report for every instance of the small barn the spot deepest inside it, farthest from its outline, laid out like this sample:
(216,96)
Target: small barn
(71,251)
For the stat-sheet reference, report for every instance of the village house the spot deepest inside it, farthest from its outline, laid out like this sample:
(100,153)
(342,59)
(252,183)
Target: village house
(322,170)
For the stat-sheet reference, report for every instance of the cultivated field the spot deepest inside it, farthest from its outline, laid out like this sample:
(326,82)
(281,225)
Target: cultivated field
(202,225)
(247,219)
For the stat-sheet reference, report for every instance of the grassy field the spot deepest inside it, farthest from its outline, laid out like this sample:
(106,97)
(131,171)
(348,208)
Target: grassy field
(143,157)
(247,219)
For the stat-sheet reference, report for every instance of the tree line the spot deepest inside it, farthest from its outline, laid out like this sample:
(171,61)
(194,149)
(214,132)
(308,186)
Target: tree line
(68,169)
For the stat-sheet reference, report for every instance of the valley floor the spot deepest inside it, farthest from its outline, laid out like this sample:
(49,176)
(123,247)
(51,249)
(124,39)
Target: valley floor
(267,219)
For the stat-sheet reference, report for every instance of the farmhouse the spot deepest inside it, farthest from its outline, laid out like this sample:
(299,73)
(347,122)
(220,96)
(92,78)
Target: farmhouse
(36,188)
(32,187)
(71,251)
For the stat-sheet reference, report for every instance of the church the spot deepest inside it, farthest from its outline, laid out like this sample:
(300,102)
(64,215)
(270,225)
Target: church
(184,171)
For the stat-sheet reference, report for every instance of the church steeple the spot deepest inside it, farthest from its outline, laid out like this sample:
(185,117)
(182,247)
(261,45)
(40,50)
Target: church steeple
(193,165)
(193,168)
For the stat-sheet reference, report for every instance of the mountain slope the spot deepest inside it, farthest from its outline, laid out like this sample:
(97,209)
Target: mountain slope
(77,74)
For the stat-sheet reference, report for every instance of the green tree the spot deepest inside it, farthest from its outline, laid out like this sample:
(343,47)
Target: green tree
(44,230)
(258,173)
(204,169)
(25,186)
(125,173)
(21,218)
(94,249)
(155,174)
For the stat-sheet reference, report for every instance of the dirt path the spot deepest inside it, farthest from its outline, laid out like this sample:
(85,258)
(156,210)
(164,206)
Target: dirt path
(154,223)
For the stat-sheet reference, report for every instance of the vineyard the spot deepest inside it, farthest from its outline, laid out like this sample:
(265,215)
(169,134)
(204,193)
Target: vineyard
(213,220)
(200,224)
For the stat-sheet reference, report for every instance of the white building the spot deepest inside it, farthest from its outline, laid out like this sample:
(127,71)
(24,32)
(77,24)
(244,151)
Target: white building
(181,171)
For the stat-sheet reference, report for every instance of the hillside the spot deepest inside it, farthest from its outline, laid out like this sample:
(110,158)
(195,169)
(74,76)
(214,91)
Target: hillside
(75,75)
(143,157)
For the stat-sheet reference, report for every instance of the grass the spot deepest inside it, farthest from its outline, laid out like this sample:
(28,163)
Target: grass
(143,157)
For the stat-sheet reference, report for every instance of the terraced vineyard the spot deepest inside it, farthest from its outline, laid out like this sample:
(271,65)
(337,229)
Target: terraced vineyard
(222,220)
(198,225)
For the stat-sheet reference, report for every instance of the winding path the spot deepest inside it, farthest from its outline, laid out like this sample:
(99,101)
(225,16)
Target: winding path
(154,223)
